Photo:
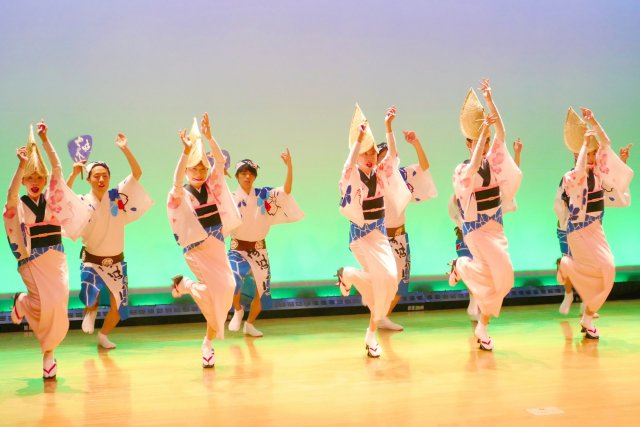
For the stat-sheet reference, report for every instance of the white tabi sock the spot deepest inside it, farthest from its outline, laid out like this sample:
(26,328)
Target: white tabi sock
(566,303)
(370,338)
(206,342)
(481,331)
(587,321)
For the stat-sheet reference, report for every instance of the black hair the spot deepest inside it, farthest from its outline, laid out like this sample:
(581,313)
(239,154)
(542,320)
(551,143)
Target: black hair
(246,166)
(103,164)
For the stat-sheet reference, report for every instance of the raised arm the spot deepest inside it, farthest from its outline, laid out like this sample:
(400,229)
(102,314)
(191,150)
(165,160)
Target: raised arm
(517,149)
(488,96)
(355,149)
(13,195)
(391,140)
(121,142)
(581,161)
(288,181)
(215,148)
(476,156)
(600,134)
(411,137)
(56,166)
(78,167)
(178,175)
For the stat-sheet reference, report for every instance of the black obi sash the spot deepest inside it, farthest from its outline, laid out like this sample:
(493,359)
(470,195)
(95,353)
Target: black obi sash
(595,199)
(368,205)
(490,197)
(207,214)
(41,235)
(487,199)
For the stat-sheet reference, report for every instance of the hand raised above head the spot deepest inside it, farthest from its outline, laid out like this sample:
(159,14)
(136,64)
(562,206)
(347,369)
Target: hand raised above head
(485,88)
(21,153)
(517,146)
(205,125)
(624,152)
(490,120)
(390,114)
(186,142)
(286,157)
(78,167)
(588,134)
(121,140)
(411,137)
(42,130)
(362,128)
(588,115)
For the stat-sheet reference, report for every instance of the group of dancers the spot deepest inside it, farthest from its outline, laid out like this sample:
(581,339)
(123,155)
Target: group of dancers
(201,213)
(375,192)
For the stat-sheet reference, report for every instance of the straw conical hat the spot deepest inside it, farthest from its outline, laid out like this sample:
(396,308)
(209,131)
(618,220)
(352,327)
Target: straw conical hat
(471,116)
(197,154)
(354,131)
(34,158)
(574,129)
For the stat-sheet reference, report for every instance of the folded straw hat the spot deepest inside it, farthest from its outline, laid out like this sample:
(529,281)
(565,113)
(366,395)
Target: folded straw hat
(354,131)
(574,129)
(197,154)
(34,158)
(471,116)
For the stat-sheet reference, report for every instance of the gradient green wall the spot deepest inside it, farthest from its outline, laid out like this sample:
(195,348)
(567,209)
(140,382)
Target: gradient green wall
(282,74)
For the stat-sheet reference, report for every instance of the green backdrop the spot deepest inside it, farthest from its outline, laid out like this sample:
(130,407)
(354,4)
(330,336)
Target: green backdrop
(286,74)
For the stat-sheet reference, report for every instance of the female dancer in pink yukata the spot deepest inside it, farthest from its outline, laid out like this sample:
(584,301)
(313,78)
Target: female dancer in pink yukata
(420,183)
(482,186)
(201,213)
(461,247)
(599,179)
(34,224)
(561,208)
(368,190)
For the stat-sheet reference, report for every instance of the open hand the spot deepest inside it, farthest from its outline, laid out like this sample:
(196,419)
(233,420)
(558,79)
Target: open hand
(206,126)
(490,120)
(485,88)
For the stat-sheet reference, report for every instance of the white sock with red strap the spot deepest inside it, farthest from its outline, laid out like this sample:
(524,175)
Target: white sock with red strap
(587,321)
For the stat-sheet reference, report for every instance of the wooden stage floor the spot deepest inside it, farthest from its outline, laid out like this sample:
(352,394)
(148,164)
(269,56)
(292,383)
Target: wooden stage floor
(314,372)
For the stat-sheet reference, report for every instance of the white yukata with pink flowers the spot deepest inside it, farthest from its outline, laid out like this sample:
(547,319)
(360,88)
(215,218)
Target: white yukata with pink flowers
(260,209)
(200,220)
(104,237)
(365,201)
(483,193)
(421,185)
(590,264)
(34,231)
